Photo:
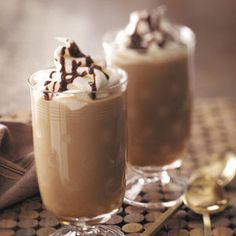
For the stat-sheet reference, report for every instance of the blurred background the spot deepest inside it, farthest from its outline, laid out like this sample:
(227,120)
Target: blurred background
(28,28)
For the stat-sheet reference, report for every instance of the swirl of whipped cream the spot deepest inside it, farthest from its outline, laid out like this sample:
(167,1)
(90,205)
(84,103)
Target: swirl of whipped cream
(147,29)
(75,71)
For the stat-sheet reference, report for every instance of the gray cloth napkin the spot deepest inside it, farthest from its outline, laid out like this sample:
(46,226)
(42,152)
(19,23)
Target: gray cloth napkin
(17,171)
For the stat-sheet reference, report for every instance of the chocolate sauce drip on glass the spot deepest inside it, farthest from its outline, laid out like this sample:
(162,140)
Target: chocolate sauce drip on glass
(51,74)
(46,94)
(68,78)
(93,84)
(100,68)
(63,83)
(76,53)
(89,61)
(47,82)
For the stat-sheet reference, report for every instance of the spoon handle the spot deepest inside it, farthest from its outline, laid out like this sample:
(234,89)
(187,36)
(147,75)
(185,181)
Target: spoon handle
(156,226)
(207,224)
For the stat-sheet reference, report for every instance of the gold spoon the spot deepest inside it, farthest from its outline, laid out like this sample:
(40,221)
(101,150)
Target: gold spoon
(205,196)
(222,169)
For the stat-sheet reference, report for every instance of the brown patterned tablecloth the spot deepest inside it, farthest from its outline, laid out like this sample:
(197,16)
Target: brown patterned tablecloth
(213,130)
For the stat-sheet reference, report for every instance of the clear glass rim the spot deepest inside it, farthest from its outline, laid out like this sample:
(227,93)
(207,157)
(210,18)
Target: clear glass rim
(109,36)
(123,81)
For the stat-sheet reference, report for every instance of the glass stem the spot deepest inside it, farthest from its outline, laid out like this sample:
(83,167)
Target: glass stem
(84,230)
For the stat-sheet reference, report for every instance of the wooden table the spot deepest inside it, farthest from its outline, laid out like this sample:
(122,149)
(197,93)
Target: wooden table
(213,130)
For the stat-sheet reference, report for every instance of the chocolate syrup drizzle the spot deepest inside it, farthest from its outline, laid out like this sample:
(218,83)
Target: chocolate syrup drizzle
(74,52)
(136,38)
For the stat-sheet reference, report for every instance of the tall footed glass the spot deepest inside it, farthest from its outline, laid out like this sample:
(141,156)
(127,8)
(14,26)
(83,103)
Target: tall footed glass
(159,115)
(80,153)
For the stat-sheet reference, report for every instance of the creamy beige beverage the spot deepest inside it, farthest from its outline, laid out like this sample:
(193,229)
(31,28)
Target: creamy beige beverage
(79,130)
(155,54)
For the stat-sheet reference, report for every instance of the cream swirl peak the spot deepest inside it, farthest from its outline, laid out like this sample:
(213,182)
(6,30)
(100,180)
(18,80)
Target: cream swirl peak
(76,71)
(147,29)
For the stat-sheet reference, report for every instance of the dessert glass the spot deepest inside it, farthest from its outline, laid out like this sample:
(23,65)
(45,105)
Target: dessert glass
(80,155)
(159,117)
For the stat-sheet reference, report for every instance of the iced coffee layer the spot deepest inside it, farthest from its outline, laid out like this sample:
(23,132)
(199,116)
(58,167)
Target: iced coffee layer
(80,156)
(158,108)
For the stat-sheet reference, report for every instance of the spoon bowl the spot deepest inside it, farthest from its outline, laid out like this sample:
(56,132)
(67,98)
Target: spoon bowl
(205,195)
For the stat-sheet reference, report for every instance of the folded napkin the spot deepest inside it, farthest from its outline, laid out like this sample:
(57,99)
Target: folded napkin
(17,171)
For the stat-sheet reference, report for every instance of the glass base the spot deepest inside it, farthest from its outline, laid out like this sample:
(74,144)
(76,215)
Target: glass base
(100,230)
(154,191)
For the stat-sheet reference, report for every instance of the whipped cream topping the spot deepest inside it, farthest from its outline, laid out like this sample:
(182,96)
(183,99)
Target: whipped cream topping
(76,72)
(148,30)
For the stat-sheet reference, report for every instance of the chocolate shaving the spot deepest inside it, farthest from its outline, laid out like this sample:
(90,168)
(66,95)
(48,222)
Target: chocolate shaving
(136,41)
(75,51)
(153,22)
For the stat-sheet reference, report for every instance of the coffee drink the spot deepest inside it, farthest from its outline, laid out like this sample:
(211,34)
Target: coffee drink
(79,126)
(155,54)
